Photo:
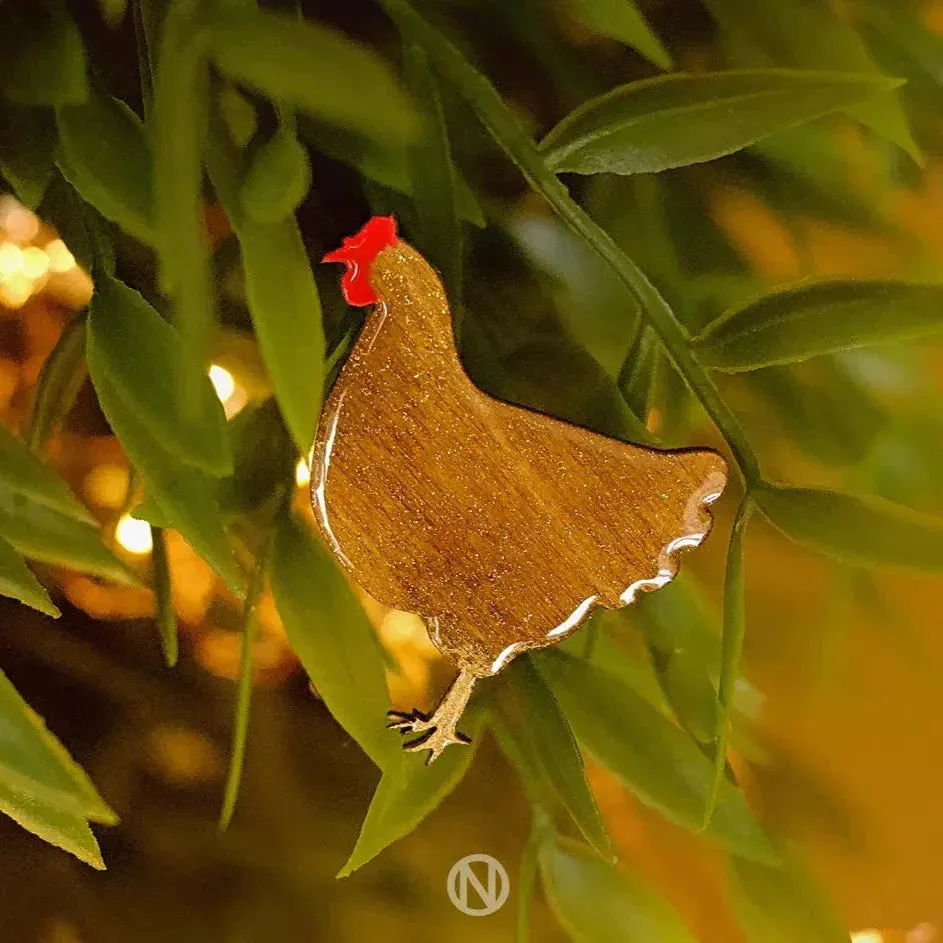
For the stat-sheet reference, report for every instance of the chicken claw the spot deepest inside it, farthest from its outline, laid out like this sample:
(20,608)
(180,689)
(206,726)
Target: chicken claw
(439,730)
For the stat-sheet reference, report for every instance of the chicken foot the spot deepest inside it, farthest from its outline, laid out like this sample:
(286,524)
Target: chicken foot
(440,729)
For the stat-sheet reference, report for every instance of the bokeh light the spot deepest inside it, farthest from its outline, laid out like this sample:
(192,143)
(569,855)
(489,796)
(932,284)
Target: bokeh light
(134,535)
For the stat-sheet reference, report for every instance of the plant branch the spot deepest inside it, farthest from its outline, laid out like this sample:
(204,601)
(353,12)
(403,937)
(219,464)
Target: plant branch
(521,149)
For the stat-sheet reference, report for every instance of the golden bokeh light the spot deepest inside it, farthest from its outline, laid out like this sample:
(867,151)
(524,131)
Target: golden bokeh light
(302,473)
(134,535)
(230,393)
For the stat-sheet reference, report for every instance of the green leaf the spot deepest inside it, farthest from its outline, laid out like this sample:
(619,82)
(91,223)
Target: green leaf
(731,648)
(27,150)
(332,636)
(264,458)
(686,682)
(43,534)
(409,791)
(433,178)
(142,357)
(783,904)
(180,112)
(185,496)
(22,473)
(105,155)
(60,380)
(286,314)
(621,20)
(820,318)
(34,763)
(282,297)
(80,226)
(653,757)
(810,36)
(596,902)
(277,180)
(686,118)
(380,162)
(42,59)
(311,68)
(541,737)
(856,529)
(17,582)
(52,823)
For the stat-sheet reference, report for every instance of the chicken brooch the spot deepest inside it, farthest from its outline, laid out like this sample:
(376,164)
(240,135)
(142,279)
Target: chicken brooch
(502,527)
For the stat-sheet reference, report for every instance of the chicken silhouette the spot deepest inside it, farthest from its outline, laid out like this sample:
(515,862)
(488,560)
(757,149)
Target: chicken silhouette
(502,527)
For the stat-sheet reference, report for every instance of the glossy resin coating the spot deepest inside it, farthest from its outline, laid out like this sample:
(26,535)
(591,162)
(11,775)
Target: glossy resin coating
(503,527)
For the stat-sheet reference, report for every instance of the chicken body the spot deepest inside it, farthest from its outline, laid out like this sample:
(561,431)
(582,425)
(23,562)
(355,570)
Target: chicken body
(503,527)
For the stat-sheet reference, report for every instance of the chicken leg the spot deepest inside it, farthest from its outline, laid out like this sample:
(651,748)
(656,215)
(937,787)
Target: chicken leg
(440,729)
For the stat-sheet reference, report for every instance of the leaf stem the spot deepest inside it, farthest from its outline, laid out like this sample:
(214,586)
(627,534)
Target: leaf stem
(527,874)
(503,126)
(166,617)
(240,732)
(731,648)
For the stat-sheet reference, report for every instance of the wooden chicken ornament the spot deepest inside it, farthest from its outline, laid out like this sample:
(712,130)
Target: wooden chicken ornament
(502,527)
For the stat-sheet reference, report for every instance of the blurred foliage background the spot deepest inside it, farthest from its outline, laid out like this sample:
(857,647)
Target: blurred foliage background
(173,171)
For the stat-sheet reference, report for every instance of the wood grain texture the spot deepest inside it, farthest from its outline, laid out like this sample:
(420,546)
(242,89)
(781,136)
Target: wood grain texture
(503,527)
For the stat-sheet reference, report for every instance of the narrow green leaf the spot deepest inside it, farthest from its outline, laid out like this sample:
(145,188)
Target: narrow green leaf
(653,757)
(42,59)
(240,732)
(181,108)
(142,357)
(857,529)
(637,375)
(820,318)
(60,380)
(540,734)
(17,582)
(689,118)
(783,904)
(282,297)
(685,680)
(331,635)
(595,901)
(33,762)
(731,648)
(185,496)
(277,179)
(811,36)
(27,150)
(52,823)
(166,615)
(433,177)
(311,68)
(80,226)
(47,536)
(409,791)
(286,314)
(105,155)
(621,20)
(22,473)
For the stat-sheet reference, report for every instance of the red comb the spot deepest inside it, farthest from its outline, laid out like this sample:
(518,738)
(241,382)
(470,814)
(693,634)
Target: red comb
(358,254)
